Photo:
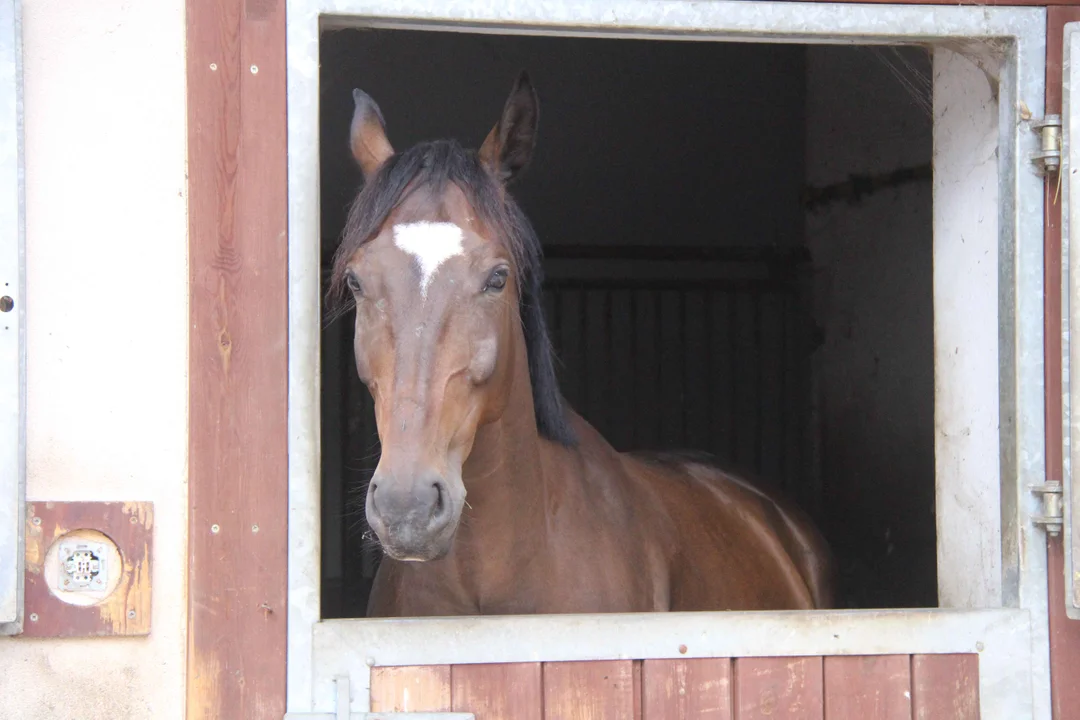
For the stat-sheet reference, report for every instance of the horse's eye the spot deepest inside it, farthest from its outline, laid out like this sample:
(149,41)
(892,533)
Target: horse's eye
(353,284)
(497,280)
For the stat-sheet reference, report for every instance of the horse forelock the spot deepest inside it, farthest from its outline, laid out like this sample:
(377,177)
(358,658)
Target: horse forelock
(432,167)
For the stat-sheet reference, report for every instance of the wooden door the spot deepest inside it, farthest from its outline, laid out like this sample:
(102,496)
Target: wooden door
(883,687)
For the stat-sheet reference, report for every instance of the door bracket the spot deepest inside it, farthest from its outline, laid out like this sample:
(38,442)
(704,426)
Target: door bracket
(1048,157)
(1052,515)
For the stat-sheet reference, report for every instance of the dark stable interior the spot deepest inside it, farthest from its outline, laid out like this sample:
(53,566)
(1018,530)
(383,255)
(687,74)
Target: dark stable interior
(738,243)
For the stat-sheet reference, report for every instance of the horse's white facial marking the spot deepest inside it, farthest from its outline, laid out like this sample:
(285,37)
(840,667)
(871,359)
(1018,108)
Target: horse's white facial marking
(431,244)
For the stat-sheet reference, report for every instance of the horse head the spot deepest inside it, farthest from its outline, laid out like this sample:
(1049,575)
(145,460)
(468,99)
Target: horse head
(443,269)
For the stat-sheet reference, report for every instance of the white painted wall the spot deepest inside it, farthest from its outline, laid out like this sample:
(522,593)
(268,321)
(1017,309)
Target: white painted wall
(107,324)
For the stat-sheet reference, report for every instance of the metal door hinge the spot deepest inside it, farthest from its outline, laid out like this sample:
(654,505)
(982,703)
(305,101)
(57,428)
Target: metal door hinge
(344,712)
(1048,157)
(1052,515)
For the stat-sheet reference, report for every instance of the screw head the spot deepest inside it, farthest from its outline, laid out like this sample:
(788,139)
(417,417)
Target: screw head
(682,649)
(213,67)
(215,528)
(36,521)
(131,613)
(33,617)
(254,69)
(255,528)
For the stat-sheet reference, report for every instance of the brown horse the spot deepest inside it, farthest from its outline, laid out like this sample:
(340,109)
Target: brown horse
(444,270)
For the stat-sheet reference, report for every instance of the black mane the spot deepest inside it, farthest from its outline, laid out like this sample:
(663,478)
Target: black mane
(434,165)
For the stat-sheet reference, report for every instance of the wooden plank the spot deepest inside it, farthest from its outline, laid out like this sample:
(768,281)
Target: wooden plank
(686,689)
(868,686)
(1064,633)
(778,687)
(945,686)
(498,691)
(421,688)
(589,690)
(238,374)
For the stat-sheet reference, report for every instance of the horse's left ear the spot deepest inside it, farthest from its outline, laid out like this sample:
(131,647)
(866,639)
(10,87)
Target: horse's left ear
(367,135)
(509,146)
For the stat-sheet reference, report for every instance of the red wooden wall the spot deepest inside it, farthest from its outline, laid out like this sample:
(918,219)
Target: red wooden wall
(883,687)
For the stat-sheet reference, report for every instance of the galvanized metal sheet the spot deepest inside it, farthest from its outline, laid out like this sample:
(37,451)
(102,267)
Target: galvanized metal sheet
(12,315)
(1070,238)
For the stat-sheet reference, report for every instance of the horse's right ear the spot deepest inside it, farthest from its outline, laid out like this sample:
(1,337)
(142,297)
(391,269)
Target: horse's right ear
(509,146)
(367,136)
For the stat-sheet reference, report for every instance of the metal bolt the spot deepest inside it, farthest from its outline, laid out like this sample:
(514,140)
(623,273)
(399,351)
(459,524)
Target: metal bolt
(370,662)
(33,617)
(213,67)
(255,528)
(682,649)
(254,69)
(133,520)
(36,521)
(131,613)
(215,528)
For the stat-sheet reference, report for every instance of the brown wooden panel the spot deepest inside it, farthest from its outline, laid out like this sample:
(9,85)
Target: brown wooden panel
(421,688)
(238,477)
(698,689)
(601,690)
(868,686)
(498,691)
(945,686)
(774,688)
(123,611)
(1064,633)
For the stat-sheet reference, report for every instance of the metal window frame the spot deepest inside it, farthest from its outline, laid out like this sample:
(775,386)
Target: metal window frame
(1019,594)
(12,323)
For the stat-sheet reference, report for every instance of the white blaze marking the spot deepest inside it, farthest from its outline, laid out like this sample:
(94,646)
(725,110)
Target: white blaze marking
(431,244)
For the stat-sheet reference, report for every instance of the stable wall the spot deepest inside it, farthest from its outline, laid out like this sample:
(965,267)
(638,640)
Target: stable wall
(107,289)
(873,304)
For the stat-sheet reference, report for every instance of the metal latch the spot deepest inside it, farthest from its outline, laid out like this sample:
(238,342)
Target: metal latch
(1048,157)
(1052,516)
(344,713)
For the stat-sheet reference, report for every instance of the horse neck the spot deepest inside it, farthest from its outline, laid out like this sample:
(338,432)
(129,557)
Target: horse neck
(503,475)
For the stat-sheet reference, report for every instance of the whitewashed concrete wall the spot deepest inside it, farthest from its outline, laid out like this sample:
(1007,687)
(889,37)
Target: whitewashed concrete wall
(107,328)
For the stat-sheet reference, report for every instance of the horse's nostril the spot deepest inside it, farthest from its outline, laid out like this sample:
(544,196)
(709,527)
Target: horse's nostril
(438,498)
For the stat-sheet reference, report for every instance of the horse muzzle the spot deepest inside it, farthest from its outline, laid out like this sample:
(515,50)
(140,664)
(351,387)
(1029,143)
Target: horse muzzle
(414,521)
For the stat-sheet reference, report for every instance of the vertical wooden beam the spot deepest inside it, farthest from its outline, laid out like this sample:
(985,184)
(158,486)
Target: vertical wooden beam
(945,686)
(768,688)
(697,689)
(868,686)
(238,477)
(586,690)
(498,690)
(416,688)
(1064,633)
